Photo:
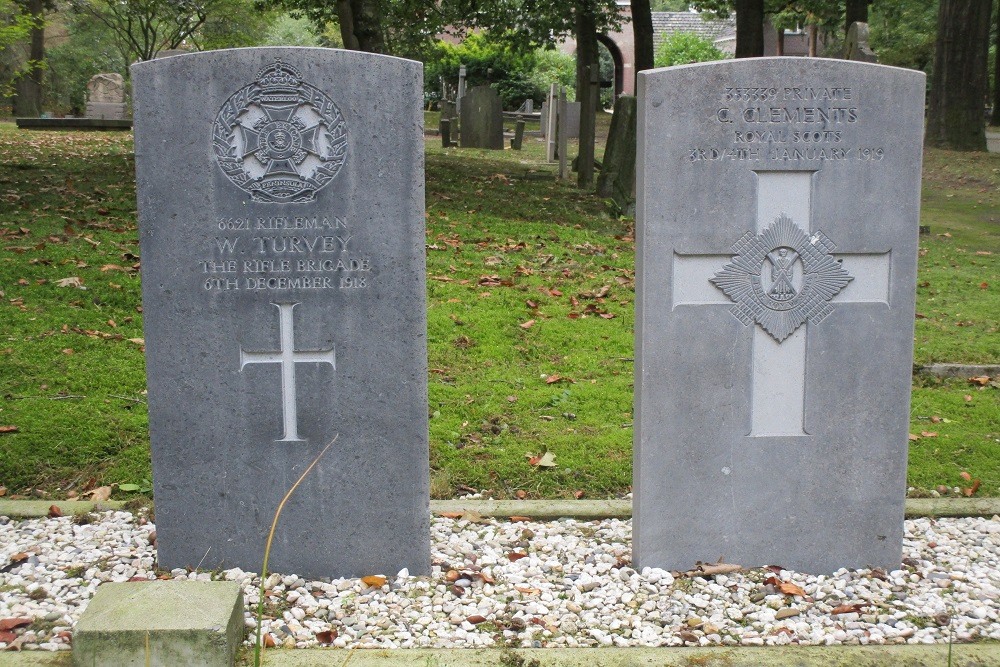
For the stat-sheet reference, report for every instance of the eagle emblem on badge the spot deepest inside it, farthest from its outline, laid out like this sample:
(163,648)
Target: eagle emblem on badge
(782,277)
(279,138)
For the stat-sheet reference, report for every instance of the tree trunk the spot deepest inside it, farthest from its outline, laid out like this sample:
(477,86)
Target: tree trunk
(781,41)
(346,19)
(28,100)
(586,46)
(960,85)
(749,28)
(857,10)
(586,62)
(995,120)
(361,25)
(813,40)
(642,29)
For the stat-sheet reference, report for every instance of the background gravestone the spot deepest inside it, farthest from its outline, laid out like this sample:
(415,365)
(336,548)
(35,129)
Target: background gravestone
(106,97)
(281,199)
(482,119)
(777,214)
(617,177)
(572,119)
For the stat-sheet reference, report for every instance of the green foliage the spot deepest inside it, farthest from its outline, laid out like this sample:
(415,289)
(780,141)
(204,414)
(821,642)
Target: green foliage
(90,48)
(682,48)
(235,23)
(486,60)
(554,66)
(669,5)
(286,30)
(15,27)
(902,32)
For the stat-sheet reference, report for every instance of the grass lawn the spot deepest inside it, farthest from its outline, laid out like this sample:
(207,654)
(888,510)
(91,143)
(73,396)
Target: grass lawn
(530,315)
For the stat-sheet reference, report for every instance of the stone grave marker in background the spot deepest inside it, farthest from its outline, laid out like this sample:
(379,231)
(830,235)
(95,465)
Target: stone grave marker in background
(106,97)
(481,119)
(856,45)
(281,200)
(777,215)
(572,119)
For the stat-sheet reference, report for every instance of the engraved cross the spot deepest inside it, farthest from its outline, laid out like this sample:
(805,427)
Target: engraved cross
(779,345)
(287,357)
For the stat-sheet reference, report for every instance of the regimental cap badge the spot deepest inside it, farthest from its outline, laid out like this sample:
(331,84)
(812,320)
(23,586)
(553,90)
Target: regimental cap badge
(782,277)
(279,138)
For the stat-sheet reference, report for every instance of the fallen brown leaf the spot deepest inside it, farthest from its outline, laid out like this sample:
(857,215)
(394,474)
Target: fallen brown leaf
(520,519)
(54,511)
(788,588)
(848,609)
(326,636)
(99,494)
(72,281)
(9,428)
(515,556)
(971,491)
(374,581)
(13,623)
(476,619)
(527,325)
(980,381)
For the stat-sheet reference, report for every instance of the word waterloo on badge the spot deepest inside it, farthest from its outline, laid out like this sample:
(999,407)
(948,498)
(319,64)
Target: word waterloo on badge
(279,138)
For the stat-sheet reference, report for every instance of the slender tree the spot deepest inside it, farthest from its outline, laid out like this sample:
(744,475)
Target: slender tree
(855,11)
(995,119)
(28,87)
(749,28)
(959,86)
(642,31)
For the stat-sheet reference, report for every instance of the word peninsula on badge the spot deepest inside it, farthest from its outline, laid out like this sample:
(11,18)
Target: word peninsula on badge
(279,138)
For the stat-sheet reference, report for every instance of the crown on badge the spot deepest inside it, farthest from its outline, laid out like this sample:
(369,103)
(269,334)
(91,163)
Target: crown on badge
(279,76)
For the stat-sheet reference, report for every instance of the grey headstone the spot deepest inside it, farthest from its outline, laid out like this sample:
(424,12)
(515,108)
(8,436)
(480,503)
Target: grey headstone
(482,119)
(777,214)
(447,109)
(444,127)
(106,97)
(109,88)
(281,200)
(617,178)
(572,119)
(856,46)
(518,139)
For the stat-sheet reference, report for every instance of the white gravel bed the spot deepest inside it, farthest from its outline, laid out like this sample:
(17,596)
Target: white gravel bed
(572,587)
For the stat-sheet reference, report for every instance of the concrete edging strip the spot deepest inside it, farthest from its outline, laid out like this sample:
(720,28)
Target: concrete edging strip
(964,655)
(539,510)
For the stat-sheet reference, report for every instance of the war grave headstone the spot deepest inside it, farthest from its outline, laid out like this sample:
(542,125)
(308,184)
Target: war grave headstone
(481,119)
(106,97)
(777,215)
(281,200)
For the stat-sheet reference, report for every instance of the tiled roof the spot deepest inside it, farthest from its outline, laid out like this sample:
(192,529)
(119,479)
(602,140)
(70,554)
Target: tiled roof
(671,22)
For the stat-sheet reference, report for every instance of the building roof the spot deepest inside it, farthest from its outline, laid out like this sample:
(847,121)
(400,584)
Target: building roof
(665,23)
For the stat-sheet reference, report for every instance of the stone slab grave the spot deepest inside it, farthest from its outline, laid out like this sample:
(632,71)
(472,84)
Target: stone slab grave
(481,119)
(281,210)
(106,97)
(161,624)
(777,215)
